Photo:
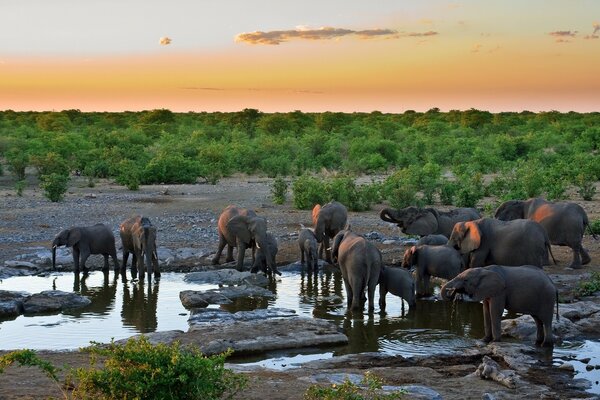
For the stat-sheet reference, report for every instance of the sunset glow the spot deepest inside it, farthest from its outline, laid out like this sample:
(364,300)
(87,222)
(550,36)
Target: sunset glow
(345,56)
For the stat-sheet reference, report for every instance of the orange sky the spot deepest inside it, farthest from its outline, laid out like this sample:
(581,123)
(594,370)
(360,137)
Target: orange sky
(446,55)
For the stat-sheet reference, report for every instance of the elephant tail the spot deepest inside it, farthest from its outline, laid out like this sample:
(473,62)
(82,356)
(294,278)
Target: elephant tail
(557,316)
(587,225)
(550,251)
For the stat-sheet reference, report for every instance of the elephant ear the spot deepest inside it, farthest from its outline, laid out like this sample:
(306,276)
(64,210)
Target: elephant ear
(471,239)
(315,214)
(490,284)
(423,223)
(410,257)
(335,247)
(74,237)
(238,225)
(509,210)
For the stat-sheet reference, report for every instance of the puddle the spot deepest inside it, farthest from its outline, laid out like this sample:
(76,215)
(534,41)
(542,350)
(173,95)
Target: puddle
(122,309)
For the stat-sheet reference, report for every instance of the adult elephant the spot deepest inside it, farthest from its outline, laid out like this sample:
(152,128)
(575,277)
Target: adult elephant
(524,289)
(260,260)
(432,260)
(565,222)
(490,241)
(87,240)
(360,263)
(138,236)
(427,221)
(328,221)
(242,228)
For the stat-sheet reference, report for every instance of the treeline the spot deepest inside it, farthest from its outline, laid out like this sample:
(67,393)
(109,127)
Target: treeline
(428,154)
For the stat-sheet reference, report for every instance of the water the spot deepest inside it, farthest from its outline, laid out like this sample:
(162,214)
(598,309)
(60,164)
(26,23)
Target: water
(122,309)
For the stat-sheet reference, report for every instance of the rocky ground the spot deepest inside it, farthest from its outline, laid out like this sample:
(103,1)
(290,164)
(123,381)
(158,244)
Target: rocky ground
(186,219)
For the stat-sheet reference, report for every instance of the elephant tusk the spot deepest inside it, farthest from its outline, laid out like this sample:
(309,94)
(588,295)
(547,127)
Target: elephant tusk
(54,247)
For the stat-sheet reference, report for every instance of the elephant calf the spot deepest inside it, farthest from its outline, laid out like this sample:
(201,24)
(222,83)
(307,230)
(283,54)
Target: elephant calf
(441,261)
(307,242)
(398,282)
(139,238)
(260,259)
(524,289)
(87,240)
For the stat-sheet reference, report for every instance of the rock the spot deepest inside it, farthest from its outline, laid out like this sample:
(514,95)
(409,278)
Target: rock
(417,392)
(220,277)
(90,196)
(373,235)
(524,328)
(192,299)
(514,354)
(389,241)
(567,367)
(585,360)
(256,280)
(211,316)
(20,265)
(53,301)
(11,303)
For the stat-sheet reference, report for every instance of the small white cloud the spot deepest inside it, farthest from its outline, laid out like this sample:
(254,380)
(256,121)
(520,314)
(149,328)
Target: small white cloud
(164,41)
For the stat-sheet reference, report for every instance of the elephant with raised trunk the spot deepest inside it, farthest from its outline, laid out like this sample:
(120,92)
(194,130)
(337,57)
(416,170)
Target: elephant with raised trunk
(490,241)
(87,240)
(328,221)
(242,228)
(431,260)
(524,289)
(427,221)
(360,263)
(138,236)
(565,222)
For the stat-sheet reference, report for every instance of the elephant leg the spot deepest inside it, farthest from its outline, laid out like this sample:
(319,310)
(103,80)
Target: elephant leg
(105,268)
(487,326)
(348,293)
(382,293)
(302,256)
(371,296)
(585,257)
(124,263)
(155,265)
(134,265)
(222,244)
(576,263)
(548,336)
(496,310)
(141,267)
(539,335)
(240,256)
(76,259)
(84,256)
(229,257)
(327,250)
(426,284)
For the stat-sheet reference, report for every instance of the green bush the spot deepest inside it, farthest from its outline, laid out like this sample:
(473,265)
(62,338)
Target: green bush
(129,175)
(307,192)
(595,226)
(448,190)
(55,186)
(141,370)
(470,190)
(370,388)
(400,188)
(589,286)
(17,161)
(171,168)
(585,186)
(50,163)
(279,190)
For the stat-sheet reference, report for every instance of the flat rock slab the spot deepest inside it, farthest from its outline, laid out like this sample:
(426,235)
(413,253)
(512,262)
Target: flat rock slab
(257,336)
(51,301)
(226,277)
(201,317)
(201,299)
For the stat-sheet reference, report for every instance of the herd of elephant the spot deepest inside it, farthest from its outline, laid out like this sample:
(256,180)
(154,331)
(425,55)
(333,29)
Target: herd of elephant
(494,260)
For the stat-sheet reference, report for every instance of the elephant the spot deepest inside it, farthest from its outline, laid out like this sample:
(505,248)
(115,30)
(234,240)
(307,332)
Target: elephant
(260,260)
(433,240)
(490,241)
(565,222)
(441,261)
(86,240)
(427,221)
(328,221)
(138,236)
(524,289)
(398,282)
(360,263)
(307,242)
(242,228)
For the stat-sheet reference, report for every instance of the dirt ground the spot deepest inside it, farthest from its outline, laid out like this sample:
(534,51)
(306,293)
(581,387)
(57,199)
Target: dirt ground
(447,375)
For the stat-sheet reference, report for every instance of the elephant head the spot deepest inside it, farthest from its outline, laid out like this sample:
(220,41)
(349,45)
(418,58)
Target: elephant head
(509,210)
(410,257)
(465,237)
(67,237)
(147,242)
(479,283)
(412,220)
(250,230)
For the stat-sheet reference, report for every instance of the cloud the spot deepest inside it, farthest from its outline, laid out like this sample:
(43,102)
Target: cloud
(596,26)
(164,41)
(563,36)
(323,33)
(591,37)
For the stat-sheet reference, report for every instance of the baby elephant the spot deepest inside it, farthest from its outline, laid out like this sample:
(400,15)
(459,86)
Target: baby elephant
(398,282)
(260,259)
(307,241)
(441,261)
(525,289)
(434,240)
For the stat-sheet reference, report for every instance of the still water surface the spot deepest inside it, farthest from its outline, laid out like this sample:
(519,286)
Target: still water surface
(120,309)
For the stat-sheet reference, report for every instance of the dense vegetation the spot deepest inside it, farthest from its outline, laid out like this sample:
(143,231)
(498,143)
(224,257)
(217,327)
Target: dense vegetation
(454,157)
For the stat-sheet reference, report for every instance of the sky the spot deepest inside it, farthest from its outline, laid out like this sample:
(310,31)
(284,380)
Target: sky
(313,56)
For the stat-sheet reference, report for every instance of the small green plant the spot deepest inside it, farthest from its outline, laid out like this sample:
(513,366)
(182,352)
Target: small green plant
(91,182)
(141,370)
(55,186)
(595,226)
(19,187)
(279,190)
(448,190)
(370,388)
(585,186)
(590,286)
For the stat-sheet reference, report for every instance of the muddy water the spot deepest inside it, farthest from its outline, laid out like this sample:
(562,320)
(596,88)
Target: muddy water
(120,309)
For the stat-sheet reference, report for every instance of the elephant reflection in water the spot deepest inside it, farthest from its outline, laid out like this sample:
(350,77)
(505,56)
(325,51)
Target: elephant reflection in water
(139,305)
(251,303)
(102,297)
(318,288)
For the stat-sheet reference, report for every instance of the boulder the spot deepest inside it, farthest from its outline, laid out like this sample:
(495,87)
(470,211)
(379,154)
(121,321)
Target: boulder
(218,277)
(11,303)
(201,317)
(51,301)
(193,298)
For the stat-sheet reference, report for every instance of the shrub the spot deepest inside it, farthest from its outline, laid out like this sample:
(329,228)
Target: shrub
(129,175)
(590,286)
(400,188)
(448,190)
(50,163)
(307,192)
(279,190)
(17,162)
(19,187)
(470,190)
(585,186)
(171,168)
(370,388)
(141,370)
(595,226)
(55,186)
(344,190)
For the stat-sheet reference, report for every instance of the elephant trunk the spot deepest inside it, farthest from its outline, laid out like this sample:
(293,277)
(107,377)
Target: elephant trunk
(391,215)
(449,291)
